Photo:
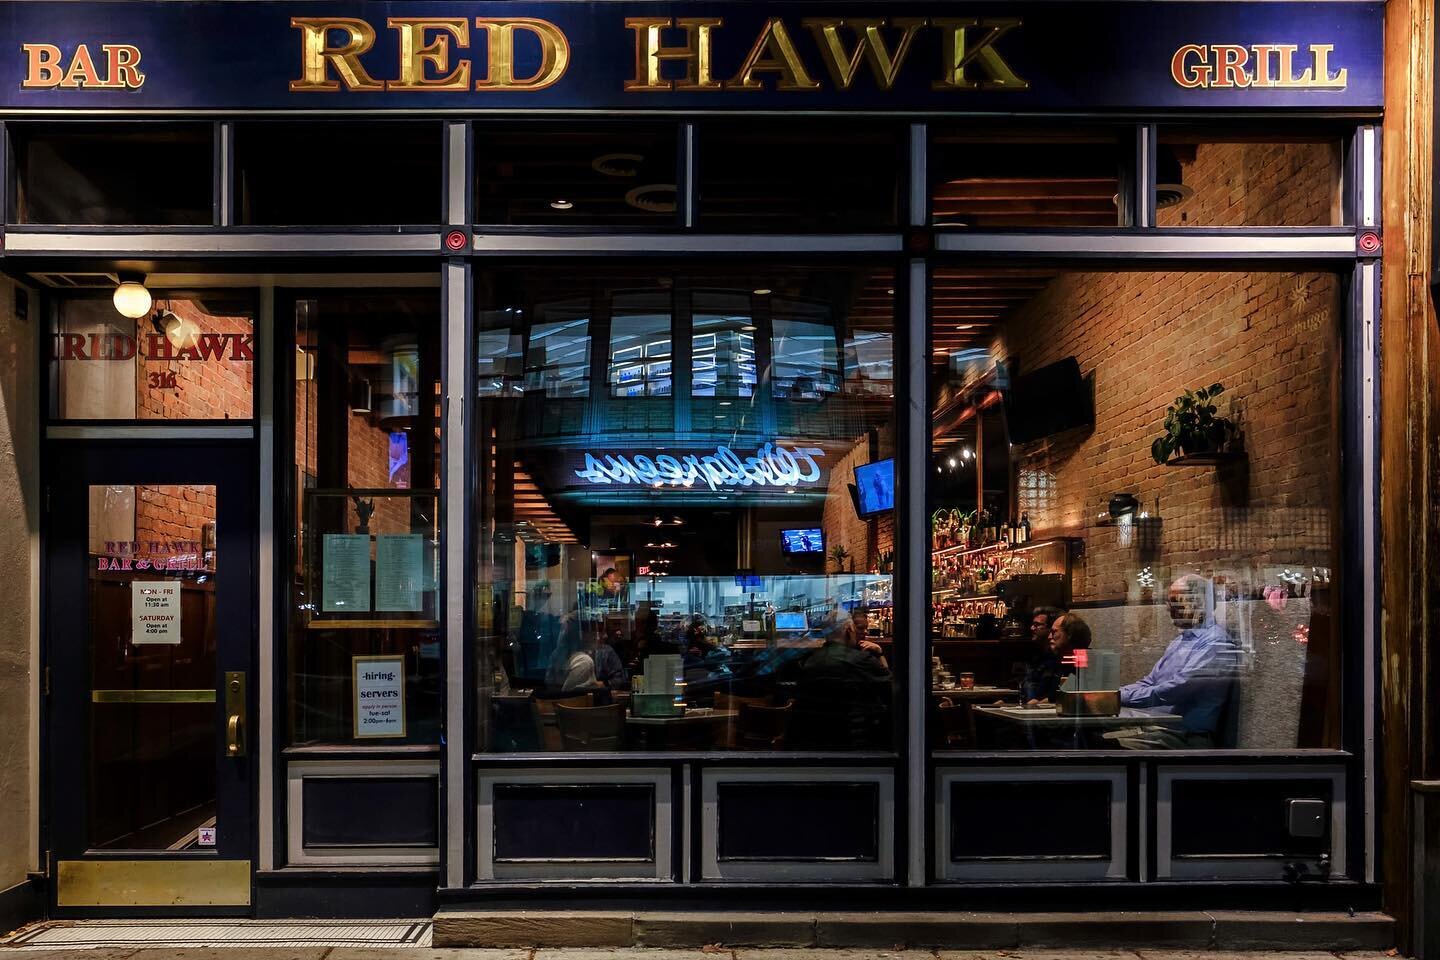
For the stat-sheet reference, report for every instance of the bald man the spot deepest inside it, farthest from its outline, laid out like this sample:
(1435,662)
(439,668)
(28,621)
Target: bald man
(1193,676)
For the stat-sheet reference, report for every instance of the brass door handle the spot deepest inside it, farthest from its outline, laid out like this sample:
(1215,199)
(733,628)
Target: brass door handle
(235,736)
(235,712)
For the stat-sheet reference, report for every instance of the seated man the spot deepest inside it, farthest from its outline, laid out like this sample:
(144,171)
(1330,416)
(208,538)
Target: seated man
(1068,633)
(1192,678)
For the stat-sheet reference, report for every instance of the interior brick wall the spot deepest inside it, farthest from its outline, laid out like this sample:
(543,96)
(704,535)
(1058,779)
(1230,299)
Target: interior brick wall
(204,389)
(1257,184)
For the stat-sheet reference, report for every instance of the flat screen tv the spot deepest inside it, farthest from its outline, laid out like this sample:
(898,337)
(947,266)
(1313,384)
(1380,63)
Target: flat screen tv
(875,488)
(804,540)
(790,621)
(1047,401)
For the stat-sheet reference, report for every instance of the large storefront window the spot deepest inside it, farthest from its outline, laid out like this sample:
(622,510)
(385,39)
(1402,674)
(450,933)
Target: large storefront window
(1134,488)
(684,520)
(365,643)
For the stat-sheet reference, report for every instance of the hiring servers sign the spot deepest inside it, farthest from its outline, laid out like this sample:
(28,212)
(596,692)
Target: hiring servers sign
(731,57)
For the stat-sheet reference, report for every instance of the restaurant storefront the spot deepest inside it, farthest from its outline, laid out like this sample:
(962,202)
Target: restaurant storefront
(701,453)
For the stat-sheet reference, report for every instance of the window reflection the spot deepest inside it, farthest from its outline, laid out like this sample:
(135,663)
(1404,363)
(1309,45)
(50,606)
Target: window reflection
(680,558)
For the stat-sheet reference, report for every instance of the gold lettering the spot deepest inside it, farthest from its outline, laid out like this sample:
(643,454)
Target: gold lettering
(1184,73)
(869,46)
(82,72)
(1261,75)
(124,65)
(1320,56)
(42,66)
(960,55)
(316,56)
(650,53)
(1230,60)
(500,51)
(416,54)
(1286,72)
(773,52)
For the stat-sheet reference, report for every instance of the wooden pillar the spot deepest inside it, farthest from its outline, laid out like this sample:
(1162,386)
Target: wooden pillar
(1409,448)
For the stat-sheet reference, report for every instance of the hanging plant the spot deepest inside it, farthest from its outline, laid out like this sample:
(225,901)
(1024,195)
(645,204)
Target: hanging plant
(1192,427)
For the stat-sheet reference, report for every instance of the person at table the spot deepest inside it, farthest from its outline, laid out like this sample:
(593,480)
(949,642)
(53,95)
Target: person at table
(572,667)
(609,668)
(1068,633)
(1191,680)
(846,654)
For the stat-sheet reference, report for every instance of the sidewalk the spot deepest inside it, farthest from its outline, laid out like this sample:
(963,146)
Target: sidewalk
(638,953)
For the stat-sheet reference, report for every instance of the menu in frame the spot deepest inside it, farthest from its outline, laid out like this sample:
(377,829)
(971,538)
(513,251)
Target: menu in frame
(399,572)
(345,573)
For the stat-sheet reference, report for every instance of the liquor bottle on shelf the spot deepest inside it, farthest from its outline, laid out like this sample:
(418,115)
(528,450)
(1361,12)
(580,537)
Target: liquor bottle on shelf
(1024,528)
(1005,532)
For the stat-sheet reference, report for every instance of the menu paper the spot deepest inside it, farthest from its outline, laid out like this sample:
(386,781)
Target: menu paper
(399,571)
(379,696)
(345,576)
(155,612)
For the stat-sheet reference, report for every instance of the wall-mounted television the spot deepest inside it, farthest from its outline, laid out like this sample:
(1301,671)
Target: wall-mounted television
(1048,401)
(803,540)
(875,488)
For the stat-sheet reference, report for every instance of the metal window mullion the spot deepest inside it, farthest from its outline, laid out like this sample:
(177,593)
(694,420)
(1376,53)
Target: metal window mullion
(458,167)
(265,358)
(689,189)
(223,196)
(1143,182)
(1368,193)
(914,566)
(919,175)
(455,291)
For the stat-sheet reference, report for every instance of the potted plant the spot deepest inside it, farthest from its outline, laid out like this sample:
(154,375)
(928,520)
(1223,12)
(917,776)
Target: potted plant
(1192,427)
(839,555)
(885,562)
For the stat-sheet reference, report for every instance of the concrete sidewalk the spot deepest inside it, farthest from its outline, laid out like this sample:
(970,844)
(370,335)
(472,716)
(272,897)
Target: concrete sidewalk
(639,953)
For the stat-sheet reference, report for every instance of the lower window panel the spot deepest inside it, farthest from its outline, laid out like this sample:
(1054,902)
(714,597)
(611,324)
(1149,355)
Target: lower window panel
(1012,822)
(782,824)
(1250,822)
(592,823)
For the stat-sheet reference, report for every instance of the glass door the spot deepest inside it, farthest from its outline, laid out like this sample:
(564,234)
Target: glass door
(151,624)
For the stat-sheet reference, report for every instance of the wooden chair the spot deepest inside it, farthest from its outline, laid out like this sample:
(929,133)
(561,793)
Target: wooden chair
(591,728)
(763,727)
(546,729)
(730,734)
(956,725)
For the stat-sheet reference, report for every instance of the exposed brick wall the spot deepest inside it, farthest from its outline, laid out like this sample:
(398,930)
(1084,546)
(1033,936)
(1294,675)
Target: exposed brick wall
(1258,184)
(204,389)
(171,513)
(1147,337)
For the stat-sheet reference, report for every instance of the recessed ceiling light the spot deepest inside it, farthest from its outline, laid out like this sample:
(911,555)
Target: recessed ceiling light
(748,328)
(891,291)
(724,403)
(964,326)
(561,205)
(761,291)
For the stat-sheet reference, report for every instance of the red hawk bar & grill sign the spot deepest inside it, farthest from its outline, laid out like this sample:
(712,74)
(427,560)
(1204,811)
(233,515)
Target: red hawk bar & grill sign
(332,56)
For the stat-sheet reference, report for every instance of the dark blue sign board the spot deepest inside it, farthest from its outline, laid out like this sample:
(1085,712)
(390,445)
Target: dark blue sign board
(742,56)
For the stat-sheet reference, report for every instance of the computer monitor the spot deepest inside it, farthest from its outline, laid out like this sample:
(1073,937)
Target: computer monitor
(790,621)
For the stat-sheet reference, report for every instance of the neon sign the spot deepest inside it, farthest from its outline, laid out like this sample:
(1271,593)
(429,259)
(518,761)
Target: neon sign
(772,465)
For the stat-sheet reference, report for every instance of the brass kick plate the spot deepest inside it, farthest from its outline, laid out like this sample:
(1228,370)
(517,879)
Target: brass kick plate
(153,883)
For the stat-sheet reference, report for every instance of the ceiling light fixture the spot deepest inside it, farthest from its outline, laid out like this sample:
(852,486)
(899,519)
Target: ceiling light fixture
(762,291)
(561,205)
(131,298)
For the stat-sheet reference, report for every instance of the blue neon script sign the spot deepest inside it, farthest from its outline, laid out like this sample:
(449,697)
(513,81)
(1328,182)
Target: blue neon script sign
(772,465)
(723,55)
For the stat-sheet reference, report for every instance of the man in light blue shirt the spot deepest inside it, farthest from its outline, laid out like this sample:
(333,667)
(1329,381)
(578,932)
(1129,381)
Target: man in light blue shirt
(1193,678)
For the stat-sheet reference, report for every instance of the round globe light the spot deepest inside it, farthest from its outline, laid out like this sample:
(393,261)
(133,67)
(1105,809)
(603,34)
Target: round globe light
(132,299)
